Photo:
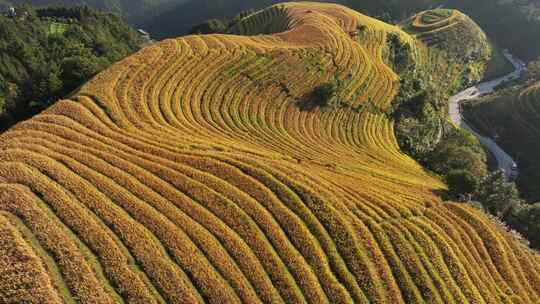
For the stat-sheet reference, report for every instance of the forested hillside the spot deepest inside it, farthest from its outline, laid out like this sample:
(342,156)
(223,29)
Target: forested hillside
(513,24)
(135,11)
(512,115)
(47,53)
(458,54)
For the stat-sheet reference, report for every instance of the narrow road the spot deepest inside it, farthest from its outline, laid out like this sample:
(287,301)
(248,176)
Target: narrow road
(504,161)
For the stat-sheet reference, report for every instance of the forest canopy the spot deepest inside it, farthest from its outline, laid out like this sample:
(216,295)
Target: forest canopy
(47,53)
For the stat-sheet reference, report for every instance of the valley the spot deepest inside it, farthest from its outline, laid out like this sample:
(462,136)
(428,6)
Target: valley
(504,161)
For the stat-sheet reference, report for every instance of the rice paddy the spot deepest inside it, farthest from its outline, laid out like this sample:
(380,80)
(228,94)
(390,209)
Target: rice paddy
(454,33)
(188,173)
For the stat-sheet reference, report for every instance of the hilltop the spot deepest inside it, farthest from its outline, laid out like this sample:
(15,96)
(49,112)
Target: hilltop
(180,18)
(256,167)
(512,24)
(453,32)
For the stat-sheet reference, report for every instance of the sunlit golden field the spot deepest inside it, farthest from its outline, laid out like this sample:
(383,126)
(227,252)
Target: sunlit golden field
(191,172)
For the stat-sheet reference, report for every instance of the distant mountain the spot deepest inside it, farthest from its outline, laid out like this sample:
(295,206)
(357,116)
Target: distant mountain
(181,18)
(500,19)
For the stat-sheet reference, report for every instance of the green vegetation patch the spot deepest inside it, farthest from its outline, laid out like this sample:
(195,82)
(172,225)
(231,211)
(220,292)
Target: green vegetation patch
(51,52)
(498,66)
(57,28)
(514,121)
(324,93)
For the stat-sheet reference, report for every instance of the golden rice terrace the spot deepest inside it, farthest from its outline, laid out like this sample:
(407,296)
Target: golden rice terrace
(192,172)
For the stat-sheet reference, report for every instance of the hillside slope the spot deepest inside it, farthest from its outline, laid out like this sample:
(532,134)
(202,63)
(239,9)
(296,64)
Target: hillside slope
(512,24)
(453,32)
(427,79)
(180,18)
(135,11)
(513,117)
(198,171)
(52,52)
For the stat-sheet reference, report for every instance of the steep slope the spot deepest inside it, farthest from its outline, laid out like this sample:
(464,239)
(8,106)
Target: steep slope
(430,73)
(513,24)
(190,173)
(513,117)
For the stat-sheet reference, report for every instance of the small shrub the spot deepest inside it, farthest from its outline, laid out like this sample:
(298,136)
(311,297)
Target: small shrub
(462,182)
(213,26)
(497,195)
(324,93)
(526,220)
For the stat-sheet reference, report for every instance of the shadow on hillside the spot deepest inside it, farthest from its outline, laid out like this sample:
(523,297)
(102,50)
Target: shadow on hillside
(440,193)
(308,102)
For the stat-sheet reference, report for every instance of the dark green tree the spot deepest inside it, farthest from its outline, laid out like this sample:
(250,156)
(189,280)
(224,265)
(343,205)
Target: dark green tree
(526,220)
(462,182)
(213,26)
(496,194)
(77,69)
(324,93)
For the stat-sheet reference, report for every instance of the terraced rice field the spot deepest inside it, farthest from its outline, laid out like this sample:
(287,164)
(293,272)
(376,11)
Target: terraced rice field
(429,25)
(429,21)
(188,173)
(451,31)
(451,34)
